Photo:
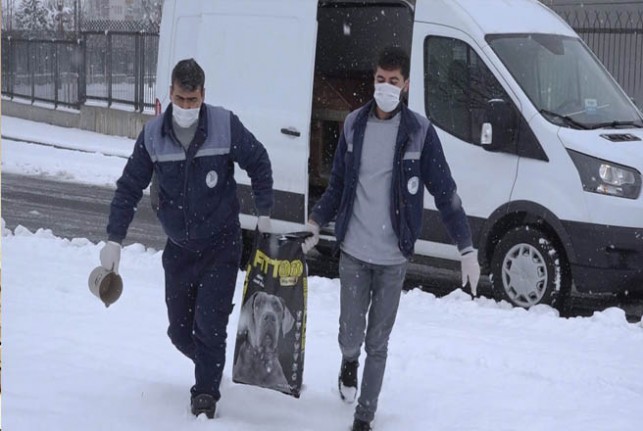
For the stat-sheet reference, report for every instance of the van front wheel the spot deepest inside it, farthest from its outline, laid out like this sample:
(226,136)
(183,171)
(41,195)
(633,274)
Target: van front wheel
(528,269)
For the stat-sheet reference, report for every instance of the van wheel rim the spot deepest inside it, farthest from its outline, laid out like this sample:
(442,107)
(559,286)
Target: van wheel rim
(524,275)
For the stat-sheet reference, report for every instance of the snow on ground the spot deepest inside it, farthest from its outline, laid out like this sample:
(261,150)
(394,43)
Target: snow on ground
(100,160)
(454,363)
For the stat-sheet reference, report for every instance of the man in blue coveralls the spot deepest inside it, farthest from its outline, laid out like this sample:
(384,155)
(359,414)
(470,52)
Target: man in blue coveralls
(191,149)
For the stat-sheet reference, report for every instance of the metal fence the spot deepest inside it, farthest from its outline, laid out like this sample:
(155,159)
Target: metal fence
(95,24)
(42,70)
(110,67)
(119,67)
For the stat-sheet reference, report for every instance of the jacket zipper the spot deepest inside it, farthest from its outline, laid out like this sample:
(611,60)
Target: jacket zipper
(398,194)
(186,171)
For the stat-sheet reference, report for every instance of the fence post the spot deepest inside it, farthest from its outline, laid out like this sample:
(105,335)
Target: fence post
(108,66)
(56,66)
(82,71)
(137,68)
(31,62)
(12,67)
(141,87)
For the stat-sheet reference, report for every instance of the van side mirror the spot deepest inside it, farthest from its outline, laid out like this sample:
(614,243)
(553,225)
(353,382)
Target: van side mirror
(486,134)
(499,126)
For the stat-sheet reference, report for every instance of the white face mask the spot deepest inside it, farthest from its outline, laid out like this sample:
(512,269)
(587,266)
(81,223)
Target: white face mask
(184,117)
(387,96)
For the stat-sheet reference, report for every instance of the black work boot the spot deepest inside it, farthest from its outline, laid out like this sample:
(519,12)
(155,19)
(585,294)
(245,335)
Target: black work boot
(204,403)
(347,381)
(360,425)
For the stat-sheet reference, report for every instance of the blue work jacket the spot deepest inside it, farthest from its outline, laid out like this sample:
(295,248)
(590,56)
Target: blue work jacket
(197,193)
(419,161)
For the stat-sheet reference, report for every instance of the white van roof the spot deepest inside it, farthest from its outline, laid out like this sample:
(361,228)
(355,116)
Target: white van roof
(493,16)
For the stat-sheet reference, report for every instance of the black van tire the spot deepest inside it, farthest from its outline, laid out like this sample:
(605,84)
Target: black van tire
(528,268)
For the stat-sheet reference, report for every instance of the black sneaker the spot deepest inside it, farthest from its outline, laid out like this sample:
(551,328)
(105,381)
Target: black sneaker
(347,381)
(204,403)
(360,425)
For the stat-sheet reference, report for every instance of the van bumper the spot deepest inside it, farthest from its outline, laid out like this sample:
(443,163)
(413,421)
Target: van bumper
(608,259)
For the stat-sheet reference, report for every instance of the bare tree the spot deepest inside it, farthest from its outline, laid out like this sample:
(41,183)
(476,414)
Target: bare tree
(32,16)
(61,13)
(152,10)
(7,12)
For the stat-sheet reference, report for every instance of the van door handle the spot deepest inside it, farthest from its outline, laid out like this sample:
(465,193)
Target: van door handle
(290,131)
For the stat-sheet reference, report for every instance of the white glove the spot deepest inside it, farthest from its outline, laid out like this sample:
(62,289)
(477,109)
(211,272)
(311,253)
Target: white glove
(311,241)
(264,225)
(470,270)
(110,256)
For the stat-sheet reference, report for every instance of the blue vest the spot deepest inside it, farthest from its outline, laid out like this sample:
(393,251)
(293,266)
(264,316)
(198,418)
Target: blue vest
(194,191)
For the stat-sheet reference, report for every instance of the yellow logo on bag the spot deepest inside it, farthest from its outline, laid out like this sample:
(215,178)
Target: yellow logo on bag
(288,271)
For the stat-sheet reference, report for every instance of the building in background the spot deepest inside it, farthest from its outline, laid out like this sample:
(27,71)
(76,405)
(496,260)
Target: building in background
(114,10)
(147,12)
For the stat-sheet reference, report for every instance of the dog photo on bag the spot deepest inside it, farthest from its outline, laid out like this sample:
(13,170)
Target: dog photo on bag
(270,341)
(263,322)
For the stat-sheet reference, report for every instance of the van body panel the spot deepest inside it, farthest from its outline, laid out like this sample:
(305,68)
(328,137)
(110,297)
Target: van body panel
(615,211)
(260,62)
(258,56)
(550,184)
(610,210)
(492,16)
(607,258)
(594,142)
(550,191)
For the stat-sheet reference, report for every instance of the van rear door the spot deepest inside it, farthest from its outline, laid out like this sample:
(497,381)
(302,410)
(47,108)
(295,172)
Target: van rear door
(259,59)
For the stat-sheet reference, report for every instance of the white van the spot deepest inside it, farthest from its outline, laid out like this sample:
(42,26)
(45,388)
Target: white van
(545,147)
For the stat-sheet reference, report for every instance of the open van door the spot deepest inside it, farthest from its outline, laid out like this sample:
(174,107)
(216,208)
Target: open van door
(258,57)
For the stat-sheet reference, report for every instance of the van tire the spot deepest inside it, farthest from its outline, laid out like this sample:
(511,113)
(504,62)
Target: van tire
(528,268)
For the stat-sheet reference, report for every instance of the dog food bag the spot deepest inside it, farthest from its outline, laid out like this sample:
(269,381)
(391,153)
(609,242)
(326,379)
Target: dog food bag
(269,348)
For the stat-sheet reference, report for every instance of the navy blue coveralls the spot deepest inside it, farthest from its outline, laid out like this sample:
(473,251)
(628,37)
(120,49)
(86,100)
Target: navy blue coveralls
(199,212)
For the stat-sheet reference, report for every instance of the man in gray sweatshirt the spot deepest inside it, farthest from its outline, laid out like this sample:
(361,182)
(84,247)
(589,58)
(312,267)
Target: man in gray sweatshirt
(385,156)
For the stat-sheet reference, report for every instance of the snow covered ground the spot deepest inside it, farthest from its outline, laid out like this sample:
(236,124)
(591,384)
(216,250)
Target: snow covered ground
(454,363)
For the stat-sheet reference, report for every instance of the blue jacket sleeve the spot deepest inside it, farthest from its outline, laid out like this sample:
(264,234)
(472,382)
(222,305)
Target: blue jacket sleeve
(252,157)
(328,205)
(438,180)
(129,190)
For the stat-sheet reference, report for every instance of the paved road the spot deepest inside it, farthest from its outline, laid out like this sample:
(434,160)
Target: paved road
(80,211)
(71,210)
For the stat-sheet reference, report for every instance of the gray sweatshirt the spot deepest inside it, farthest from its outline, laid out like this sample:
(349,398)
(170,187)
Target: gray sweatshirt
(370,236)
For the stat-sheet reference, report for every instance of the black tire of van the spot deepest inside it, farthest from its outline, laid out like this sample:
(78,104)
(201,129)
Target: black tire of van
(528,268)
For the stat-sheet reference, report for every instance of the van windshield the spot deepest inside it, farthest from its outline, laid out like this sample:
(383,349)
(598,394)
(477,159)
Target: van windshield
(565,81)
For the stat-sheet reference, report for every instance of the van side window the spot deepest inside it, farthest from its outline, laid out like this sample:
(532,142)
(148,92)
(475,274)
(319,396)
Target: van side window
(458,87)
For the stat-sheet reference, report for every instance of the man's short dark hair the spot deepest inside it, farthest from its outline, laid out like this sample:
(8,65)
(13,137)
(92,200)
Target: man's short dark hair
(188,75)
(393,58)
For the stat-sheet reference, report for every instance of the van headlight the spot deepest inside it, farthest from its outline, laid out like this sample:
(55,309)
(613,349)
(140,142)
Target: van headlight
(607,178)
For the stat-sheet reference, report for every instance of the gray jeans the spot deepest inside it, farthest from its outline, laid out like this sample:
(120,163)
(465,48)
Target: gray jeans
(373,290)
